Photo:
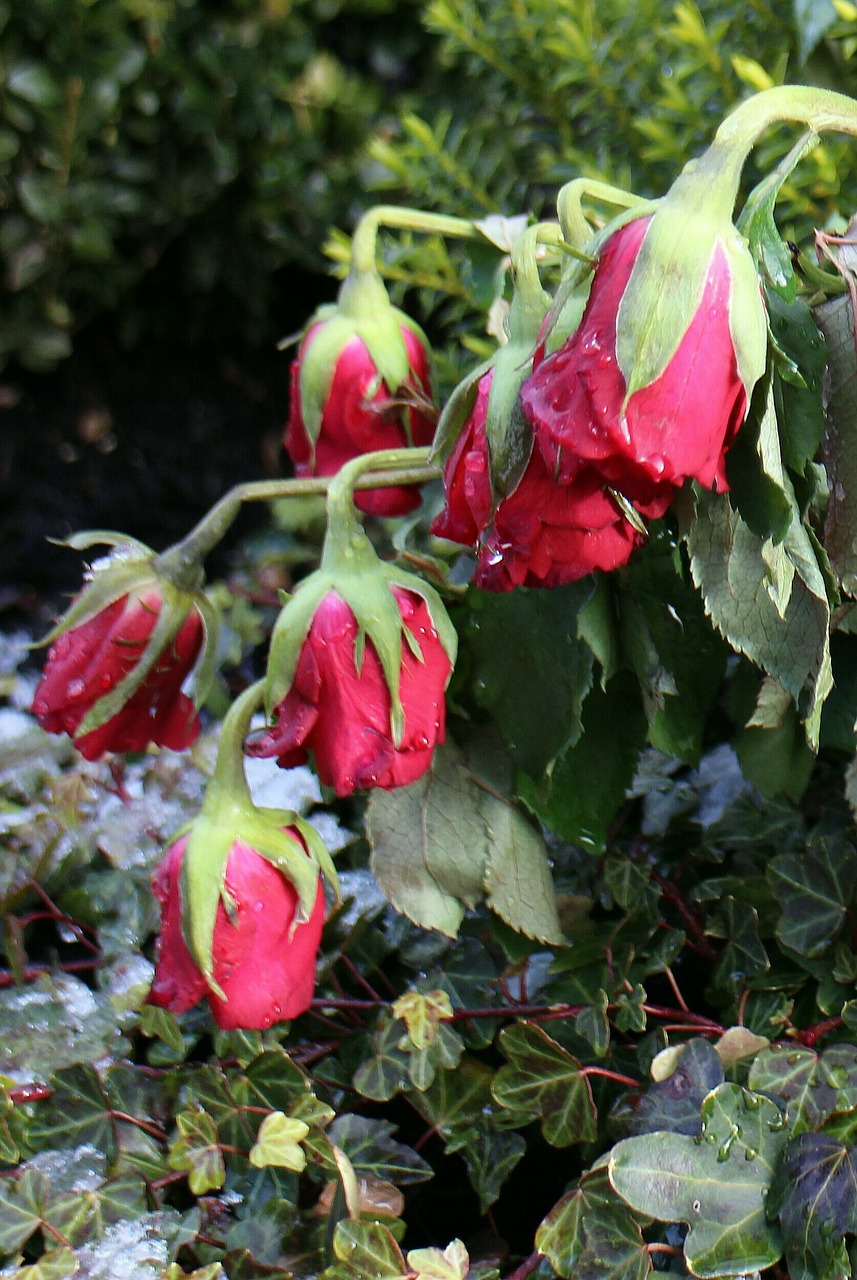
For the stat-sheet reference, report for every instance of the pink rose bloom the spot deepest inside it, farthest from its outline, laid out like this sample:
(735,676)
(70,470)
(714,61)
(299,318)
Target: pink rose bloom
(90,660)
(544,533)
(342,715)
(678,427)
(265,968)
(361,416)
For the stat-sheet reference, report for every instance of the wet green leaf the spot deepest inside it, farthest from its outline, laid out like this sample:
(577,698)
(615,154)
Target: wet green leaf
(371,1148)
(716,1183)
(815,1198)
(812,1087)
(814,889)
(196,1152)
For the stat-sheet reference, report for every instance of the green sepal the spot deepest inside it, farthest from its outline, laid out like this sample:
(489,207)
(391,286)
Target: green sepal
(290,632)
(440,620)
(508,433)
(378,616)
(203,871)
(316,848)
(286,855)
(207,666)
(364,311)
(108,584)
(174,610)
(667,283)
(128,546)
(457,411)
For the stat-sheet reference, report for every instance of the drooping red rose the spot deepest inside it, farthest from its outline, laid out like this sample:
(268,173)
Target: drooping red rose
(264,966)
(339,705)
(545,532)
(361,414)
(87,662)
(677,427)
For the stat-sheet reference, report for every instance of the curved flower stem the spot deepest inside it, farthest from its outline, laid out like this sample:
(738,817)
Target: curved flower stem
(184,557)
(346,543)
(229,781)
(390,215)
(821,110)
(569,206)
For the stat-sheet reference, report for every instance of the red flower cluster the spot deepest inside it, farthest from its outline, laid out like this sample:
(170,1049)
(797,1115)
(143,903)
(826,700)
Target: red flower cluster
(341,711)
(360,416)
(594,458)
(542,534)
(87,662)
(263,962)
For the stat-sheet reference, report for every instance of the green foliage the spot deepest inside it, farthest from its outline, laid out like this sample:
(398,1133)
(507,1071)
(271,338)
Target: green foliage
(224,137)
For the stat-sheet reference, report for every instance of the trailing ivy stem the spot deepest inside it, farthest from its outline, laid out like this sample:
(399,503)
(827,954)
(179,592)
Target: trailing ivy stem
(363,241)
(180,562)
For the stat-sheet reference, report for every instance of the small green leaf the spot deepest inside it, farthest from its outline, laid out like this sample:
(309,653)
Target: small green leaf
(451,1263)
(422,1013)
(22,1205)
(368,1251)
(814,890)
(278,1142)
(160,1023)
(196,1151)
(812,1088)
(371,1148)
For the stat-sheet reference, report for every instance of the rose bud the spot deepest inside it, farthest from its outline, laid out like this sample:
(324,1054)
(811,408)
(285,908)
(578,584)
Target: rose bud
(657,379)
(118,659)
(339,704)
(542,533)
(360,382)
(263,961)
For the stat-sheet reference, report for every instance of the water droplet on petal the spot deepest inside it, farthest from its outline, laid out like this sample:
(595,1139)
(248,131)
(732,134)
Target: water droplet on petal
(75,688)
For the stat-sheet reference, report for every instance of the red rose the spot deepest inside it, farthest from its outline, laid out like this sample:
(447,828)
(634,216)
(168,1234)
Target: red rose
(87,662)
(265,968)
(362,415)
(544,533)
(677,427)
(339,707)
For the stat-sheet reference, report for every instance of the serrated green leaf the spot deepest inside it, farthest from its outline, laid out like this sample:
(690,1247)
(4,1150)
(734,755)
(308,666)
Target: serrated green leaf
(536,705)
(518,883)
(542,1079)
(716,1183)
(839,451)
(728,566)
(429,844)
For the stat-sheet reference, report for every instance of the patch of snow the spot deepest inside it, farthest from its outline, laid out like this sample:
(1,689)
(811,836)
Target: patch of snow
(82,1169)
(133,1249)
(274,788)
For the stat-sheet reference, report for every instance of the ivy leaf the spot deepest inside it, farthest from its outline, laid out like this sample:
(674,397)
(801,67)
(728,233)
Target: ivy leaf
(385,1073)
(744,956)
(22,1205)
(366,1251)
(716,1183)
(163,1024)
(79,1112)
(812,1088)
(673,1103)
(815,1197)
(56,1264)
(490,1158)
(196,1152)
(278,1142)
(542,1079)
(451,1263)
(814,890)
(371,1148)
(423,1013)
(591,1233)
